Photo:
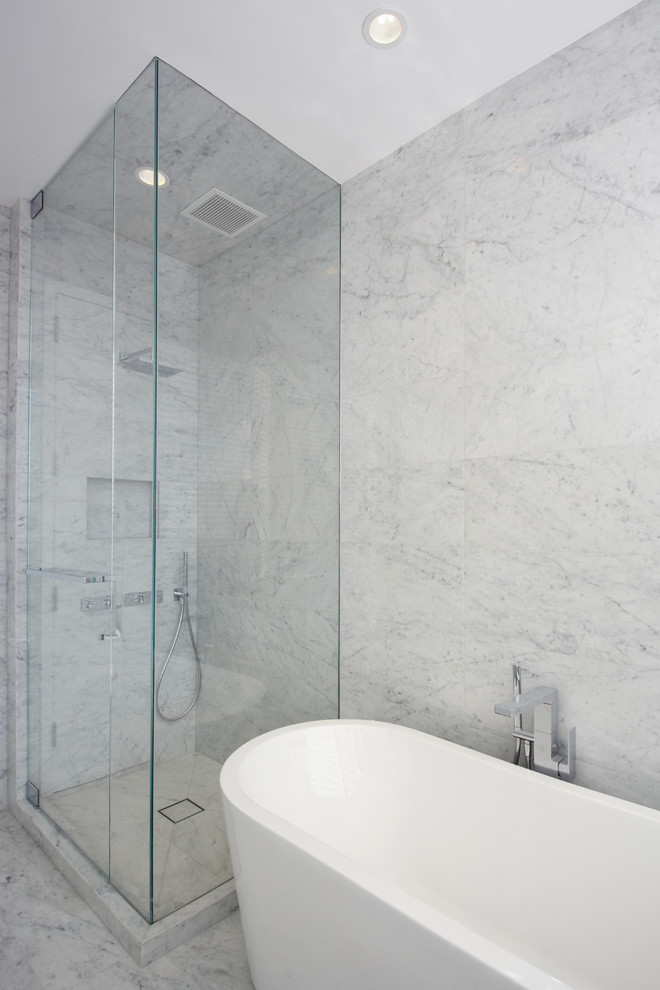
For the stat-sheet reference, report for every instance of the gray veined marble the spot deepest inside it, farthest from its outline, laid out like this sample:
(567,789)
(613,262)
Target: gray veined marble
(5,222)
(566,303)
(52,941)
(560,196)
(500,415)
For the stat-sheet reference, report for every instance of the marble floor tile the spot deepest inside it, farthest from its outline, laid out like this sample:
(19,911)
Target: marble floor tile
(50,940)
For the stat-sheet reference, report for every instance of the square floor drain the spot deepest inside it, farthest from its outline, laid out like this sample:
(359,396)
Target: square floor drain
(181,810)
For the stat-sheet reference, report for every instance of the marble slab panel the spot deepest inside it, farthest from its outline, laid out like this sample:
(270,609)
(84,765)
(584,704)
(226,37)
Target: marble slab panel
(5,225)
(582,189)
(396,672)
(413,506)
(567,302)
(598,500)
(609,396)
(406,426)
(395,583)
(394,340)
(597,608)
(409,242)
(599,79)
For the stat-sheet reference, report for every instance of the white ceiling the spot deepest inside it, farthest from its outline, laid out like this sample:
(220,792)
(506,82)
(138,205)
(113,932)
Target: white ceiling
(301,70)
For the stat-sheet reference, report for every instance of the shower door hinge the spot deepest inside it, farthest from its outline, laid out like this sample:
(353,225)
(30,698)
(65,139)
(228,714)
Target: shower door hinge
(37,204)
(32,793)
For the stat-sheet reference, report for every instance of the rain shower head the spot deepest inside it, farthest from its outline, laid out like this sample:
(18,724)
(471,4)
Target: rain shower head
(143,361)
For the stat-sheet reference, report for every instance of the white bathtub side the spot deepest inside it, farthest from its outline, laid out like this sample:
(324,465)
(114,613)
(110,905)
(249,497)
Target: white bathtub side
(308,925)
(563,878)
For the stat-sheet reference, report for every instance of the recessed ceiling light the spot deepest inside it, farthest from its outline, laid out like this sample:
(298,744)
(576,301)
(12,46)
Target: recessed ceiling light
(146,175)
(384,27)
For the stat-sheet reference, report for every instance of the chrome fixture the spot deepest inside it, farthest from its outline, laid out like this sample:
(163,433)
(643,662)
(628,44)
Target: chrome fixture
(68,574)
(547,758)
(99,603)
(143,361)
(181,596)
(517,723)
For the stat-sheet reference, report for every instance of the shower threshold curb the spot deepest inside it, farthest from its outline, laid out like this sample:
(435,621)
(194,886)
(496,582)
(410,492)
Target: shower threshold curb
(142,941)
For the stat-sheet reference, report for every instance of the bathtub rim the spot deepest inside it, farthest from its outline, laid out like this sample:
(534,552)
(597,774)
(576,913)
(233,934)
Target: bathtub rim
(231,786)
(502,960)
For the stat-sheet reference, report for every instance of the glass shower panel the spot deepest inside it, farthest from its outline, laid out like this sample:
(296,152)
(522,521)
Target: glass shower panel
(268,568)
(183,523)
(134,491)
(71,602)
(190,855)
(248,316)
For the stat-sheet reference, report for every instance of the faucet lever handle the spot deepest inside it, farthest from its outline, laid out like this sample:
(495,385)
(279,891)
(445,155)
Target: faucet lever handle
(566,764)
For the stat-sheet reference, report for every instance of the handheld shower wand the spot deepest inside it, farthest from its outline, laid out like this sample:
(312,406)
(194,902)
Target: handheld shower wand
(181,595)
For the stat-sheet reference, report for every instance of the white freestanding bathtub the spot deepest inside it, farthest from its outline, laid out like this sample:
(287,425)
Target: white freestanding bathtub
(373,857)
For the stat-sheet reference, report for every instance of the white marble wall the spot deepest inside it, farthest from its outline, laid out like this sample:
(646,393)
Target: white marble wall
(4,357)
(92,698)
(501,412)
(268,459)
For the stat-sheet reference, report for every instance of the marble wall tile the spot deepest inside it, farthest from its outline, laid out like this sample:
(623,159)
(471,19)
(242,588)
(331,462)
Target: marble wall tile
(5,221)
(599,79)
(387,583)
(605,179)
(391,505)
(597,606)
(402,341)
(407,672)
(566,302)
(409,242)
(608,396)
(595,500)
(407,426)
(500,504)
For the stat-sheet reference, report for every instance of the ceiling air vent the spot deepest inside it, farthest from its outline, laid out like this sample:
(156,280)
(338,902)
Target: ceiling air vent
(222,213)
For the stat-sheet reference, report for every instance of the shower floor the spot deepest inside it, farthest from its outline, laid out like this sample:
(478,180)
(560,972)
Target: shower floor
(190,855)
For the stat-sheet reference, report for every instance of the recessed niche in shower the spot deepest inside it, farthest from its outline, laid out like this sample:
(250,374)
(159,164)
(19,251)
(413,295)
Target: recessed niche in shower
(130,515)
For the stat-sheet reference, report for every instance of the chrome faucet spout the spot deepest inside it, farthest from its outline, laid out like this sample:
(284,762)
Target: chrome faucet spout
(527,701)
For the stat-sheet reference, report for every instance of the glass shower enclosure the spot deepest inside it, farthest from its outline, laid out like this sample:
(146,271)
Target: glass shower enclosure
(183,457)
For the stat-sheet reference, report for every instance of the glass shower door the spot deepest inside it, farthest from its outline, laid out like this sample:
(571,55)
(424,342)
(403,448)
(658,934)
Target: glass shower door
(91,498)
(71,594)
